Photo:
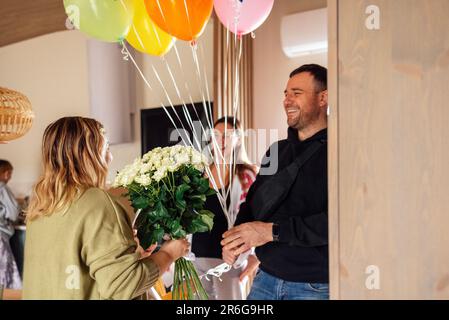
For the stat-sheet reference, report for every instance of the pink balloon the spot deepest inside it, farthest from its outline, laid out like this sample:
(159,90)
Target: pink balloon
(242,16)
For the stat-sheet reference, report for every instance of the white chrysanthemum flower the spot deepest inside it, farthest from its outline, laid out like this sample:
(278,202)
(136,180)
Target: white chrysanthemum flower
(155,164)
(197,158)
(145,168)
(175,149)
(173,167)
(182,158)
(143,180)
(160,173)
(126,176)
(166,162)
(199,167)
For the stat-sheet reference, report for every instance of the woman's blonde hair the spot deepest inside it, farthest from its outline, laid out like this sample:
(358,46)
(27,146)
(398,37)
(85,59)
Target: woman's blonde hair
(72,162)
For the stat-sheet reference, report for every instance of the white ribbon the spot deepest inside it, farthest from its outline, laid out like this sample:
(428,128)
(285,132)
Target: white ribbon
(224,267)
(217,271)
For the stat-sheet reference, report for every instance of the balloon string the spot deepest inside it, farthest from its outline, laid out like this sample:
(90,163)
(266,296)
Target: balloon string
(207,92)
(129,56)
(141,43)
(170,102)
(221,199)
(214,140)
(207,82)
(186,111)
(187,88)
(189,119)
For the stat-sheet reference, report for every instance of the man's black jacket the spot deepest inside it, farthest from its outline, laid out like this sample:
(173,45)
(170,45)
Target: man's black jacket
(301,254)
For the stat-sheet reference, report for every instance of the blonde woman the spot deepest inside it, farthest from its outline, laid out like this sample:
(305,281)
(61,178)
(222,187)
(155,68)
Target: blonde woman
(79,242)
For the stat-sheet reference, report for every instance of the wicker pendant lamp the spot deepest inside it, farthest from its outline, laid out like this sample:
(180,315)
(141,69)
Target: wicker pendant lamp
(16,115)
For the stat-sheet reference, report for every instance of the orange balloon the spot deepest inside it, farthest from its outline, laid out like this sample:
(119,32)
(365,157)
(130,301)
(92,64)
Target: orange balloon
(183,19)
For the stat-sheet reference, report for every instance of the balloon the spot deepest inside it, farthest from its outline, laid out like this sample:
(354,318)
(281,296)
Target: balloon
(242,16)
(106,20)
(183,19)
(146,36)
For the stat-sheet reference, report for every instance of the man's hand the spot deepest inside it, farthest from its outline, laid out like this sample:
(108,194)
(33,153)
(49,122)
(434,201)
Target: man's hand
(229,257)
(245,236)
(251,267)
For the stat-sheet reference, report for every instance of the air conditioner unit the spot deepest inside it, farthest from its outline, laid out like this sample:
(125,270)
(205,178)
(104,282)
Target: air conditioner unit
(304,33)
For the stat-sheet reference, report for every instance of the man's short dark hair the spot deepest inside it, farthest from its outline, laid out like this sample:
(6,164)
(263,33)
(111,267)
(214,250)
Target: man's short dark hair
(318,72)
(5,165)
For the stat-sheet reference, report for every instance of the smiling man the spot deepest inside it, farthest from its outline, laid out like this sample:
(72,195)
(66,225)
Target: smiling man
(285,214)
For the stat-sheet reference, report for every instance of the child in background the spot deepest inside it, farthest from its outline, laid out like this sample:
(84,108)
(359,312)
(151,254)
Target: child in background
(9,212)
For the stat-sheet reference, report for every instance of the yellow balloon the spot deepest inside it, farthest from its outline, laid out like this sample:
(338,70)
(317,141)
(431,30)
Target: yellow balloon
(145,36)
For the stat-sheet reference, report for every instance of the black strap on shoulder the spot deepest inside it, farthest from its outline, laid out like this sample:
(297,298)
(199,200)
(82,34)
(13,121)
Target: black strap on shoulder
(274,190)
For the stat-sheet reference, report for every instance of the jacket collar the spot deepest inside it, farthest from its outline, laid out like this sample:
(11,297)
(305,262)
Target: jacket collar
(292,135)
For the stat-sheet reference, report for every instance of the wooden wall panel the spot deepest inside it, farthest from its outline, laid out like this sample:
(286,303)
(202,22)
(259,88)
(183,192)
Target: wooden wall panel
(334,254)
(22,20)
(393,151)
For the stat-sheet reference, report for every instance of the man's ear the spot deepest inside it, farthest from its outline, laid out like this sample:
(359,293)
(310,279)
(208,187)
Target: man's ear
(323,98)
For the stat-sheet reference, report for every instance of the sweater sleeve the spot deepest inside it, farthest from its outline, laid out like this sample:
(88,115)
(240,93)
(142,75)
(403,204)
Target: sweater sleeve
(109,251)
(311,231)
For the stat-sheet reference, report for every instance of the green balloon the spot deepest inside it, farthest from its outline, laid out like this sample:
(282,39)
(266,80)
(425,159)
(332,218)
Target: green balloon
(106,20)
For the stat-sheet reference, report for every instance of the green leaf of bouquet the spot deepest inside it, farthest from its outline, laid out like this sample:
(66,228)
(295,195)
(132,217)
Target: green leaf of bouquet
(203,186)
(180,190)
(208,218)
(200,224)
(210,192)
(153,216)
(181,205)
(186,179)
(140,202)
(158,234)
(160,210)
(176,230)
(201,197)
(163,194)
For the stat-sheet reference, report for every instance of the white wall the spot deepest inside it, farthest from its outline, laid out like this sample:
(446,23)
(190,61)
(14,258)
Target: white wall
(52,70)
(272,67)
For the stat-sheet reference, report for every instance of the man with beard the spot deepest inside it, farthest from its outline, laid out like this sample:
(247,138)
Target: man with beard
(285,214)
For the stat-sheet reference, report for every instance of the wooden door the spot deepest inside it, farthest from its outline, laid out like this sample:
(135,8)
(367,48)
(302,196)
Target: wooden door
(389,149)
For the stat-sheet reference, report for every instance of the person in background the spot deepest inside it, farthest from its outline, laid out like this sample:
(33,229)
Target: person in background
(206,246)
(79,242)
(9,213)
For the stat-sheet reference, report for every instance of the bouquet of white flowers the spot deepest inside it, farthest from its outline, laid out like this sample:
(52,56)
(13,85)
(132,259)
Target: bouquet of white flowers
(168,190)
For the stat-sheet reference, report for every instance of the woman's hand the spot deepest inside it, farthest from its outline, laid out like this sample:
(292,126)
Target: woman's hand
(143,253)
(148,252)
(251,267)
(176,248)
(170,251)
